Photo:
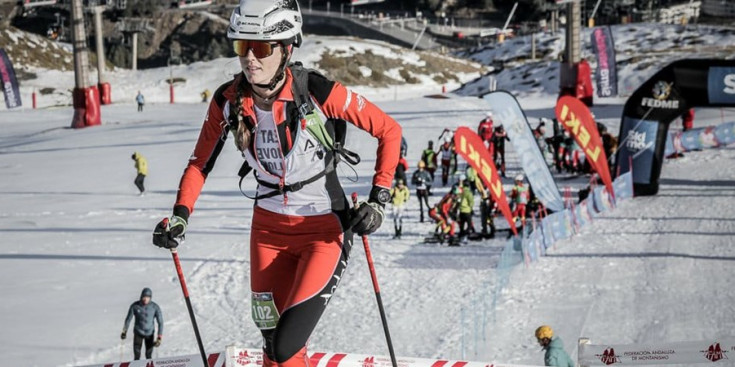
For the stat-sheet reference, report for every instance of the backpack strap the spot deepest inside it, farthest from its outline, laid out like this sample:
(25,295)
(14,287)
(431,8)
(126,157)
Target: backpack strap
(315,126)
(334,142)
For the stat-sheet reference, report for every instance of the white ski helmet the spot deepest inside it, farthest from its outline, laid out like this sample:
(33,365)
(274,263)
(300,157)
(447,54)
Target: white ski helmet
(519,177)
(266,20)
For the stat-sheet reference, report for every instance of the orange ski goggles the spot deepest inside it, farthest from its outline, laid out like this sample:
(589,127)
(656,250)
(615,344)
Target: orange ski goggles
(260,49)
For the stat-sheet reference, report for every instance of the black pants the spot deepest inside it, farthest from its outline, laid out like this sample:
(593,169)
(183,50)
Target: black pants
(139,182)
(140,107)
(423,196)
(431,173)
(500,163)
(465,223)
(487,218)
(445,173)
(138,343)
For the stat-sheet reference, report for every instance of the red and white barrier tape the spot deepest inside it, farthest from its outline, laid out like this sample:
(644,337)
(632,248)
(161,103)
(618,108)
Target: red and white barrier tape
(708,351)
(242,357)
(194,360)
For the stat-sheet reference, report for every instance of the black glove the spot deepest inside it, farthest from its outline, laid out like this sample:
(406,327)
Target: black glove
(123,335)
(169,232)
(368,216)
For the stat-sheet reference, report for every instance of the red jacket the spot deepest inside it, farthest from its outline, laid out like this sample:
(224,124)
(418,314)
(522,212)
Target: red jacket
(331,98)
(687,119)
(402,161)
(485,129)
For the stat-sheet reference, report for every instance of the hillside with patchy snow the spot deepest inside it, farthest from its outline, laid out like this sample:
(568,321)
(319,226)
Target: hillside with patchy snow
(641,50)
(75,238)
(390,73)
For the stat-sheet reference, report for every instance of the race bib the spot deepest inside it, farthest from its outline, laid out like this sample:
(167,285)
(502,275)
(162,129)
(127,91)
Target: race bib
(265,313)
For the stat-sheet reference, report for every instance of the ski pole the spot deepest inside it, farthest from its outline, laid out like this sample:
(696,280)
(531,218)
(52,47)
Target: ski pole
(180,272)
(374,278)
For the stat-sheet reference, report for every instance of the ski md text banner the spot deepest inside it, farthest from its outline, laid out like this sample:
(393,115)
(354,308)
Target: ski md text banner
(607,72)
(10,86)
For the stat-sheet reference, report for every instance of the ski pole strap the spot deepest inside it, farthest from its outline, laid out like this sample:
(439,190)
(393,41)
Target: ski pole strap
(349,156)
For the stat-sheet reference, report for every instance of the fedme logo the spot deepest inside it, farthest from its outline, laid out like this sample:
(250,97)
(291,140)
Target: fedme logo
(721,85)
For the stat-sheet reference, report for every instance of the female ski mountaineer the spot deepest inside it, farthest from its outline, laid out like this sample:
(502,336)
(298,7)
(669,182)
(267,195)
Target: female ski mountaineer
(287,123)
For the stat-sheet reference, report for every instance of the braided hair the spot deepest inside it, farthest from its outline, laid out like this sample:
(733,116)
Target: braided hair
(243,133)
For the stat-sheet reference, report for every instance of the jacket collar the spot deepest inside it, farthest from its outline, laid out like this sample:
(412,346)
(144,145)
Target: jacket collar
(285,95)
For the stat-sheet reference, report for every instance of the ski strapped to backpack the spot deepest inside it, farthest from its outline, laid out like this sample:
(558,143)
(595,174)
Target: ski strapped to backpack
(311,121)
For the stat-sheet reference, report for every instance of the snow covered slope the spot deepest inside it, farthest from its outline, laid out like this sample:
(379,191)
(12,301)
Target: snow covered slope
(75,241)
(75,250)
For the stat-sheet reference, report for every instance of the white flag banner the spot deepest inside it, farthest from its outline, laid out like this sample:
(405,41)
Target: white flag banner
(243,357)
(709,351)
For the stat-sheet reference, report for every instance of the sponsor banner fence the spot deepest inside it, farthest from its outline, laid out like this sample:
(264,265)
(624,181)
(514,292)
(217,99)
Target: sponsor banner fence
(581,214)
(623,186)
(194,360)
(566,223)
(242,357)
(725,133)
(700,138)
(601,199)
(708,351)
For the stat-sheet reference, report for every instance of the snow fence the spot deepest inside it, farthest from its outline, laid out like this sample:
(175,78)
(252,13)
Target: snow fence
(244,357)
(700,138)
(194,360)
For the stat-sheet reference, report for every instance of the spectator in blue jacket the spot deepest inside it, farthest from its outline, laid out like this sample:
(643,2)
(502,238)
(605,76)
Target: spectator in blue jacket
(141,101)
(145,312)
(554,347)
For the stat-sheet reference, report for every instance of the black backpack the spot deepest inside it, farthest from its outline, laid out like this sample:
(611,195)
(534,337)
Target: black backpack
(331,139)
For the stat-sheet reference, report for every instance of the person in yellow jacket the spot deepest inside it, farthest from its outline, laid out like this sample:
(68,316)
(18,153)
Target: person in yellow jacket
(466,203)
(399,196)
(141,164)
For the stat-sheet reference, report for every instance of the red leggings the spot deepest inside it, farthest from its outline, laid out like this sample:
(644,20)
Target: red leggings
(442,221)
(300,260)
(520,212)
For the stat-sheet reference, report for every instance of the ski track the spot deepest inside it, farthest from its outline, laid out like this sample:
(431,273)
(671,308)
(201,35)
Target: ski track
(76,244)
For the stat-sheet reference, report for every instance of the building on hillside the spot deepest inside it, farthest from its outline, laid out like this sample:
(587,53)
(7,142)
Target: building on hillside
(719,8)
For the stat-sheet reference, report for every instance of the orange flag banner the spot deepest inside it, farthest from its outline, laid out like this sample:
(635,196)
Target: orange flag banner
(577,119)
(469,145)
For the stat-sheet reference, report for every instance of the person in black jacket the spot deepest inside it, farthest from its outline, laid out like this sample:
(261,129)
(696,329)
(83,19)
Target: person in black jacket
(499,138)
(422,180)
